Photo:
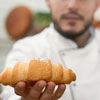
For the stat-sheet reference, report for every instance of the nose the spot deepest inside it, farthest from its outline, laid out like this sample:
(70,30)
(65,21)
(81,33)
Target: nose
(73,5)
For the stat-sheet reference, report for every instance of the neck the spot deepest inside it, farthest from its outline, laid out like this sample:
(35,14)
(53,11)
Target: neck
(82,40)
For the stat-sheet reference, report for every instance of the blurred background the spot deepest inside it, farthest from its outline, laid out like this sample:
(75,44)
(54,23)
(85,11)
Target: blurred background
(21,18)
(18,19)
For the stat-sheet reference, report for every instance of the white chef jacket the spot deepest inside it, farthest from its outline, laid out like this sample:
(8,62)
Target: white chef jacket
(85,62)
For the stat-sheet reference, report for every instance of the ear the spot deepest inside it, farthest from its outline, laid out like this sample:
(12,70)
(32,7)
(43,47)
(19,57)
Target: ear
(48,3)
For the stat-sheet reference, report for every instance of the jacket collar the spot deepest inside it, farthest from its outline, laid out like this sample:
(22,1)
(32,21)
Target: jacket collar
(64,43)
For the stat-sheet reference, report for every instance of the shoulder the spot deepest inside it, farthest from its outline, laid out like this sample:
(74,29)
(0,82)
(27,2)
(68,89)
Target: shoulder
(97,30)
(39,40)
(27,48)
(97,35)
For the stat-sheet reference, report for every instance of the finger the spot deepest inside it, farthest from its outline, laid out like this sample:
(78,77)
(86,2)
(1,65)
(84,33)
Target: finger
(21,89)
(36,90)
(48,93)
(59,92)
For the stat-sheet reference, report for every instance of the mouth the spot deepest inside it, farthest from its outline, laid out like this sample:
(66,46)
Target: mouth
(71,20)
(72,17)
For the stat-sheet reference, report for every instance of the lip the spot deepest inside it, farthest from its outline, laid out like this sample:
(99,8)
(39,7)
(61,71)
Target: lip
(71,17)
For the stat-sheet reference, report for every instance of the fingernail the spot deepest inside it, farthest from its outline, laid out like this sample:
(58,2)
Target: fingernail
(63,86)
(42,84)
(51,86)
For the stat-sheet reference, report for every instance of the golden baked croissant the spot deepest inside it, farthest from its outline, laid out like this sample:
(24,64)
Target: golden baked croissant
(37,69)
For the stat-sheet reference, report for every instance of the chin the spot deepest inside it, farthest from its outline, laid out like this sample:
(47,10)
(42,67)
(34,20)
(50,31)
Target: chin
(72,25)
(72,29)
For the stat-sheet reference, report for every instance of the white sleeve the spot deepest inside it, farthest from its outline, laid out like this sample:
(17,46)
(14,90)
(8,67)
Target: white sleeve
(9,94)
(19,52)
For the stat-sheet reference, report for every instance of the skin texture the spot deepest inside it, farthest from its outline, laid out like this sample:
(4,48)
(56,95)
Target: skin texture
(36,91)
(71,18)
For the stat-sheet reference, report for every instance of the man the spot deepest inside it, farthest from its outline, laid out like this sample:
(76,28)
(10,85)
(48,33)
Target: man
(71,41)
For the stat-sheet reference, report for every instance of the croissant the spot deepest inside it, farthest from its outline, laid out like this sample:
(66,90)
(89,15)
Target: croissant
(37,69)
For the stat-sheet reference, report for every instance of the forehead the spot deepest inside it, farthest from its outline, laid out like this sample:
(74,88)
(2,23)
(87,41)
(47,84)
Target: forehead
(75,0)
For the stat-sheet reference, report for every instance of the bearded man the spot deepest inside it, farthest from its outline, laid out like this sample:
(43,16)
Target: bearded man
(70,40)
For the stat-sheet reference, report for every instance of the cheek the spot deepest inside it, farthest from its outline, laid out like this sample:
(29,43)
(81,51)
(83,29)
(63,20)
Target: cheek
(56,14)
(88,12)
(58,11)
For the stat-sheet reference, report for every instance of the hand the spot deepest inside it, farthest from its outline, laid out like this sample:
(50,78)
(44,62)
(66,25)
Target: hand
(39,91)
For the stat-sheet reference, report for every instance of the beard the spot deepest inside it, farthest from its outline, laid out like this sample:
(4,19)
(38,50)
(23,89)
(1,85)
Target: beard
(69,33)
